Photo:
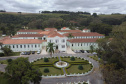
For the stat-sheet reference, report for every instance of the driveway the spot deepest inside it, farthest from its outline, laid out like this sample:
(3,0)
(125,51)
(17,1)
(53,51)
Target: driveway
(94,78)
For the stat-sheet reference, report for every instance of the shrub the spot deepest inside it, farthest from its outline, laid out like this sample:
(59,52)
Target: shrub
(9,60)
(80,67)
(72,58)
(46,60)
(46,70)
(1,62)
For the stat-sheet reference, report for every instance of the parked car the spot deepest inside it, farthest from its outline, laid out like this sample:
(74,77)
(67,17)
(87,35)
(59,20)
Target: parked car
(28,53)
(33,52)
(82,51)
(22,53)
(94,53)
(38,52)
(25,53)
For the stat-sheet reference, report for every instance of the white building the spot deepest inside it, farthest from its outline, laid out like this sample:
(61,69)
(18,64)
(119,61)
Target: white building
(30,31)
(58,39)
(34,40)
(18,45)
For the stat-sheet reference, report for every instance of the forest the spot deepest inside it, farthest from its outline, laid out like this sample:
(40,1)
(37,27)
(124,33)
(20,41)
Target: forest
(97,23)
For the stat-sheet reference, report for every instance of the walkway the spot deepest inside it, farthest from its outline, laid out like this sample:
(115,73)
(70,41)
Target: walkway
(95,77)
(69,51)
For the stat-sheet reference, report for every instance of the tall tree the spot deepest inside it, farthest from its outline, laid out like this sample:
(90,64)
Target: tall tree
(50,48)
(23,72)
(70,35)
(7,51)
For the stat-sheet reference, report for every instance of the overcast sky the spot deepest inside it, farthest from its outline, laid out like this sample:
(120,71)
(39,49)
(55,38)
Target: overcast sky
(34,6)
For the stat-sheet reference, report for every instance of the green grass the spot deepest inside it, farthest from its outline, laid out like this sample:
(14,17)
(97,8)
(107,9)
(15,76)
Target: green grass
(12,54)
(94,58)
(3,62)
(52,70)
(76,59)
(74,69)
(41,61)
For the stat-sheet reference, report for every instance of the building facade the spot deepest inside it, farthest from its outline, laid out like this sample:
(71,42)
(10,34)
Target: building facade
(34,40)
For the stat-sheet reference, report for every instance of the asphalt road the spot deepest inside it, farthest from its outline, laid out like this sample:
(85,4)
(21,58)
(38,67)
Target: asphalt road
(94,78)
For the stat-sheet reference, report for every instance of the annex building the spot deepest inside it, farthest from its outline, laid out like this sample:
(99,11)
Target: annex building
(34,40)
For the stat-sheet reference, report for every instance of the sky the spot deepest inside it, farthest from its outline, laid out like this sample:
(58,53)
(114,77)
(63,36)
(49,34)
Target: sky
(92,6)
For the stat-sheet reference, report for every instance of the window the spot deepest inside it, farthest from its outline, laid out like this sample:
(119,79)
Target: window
(81,44)
(28,46)
(32,46)
(57,41)
(63,46)
(24,46)
(35,46)
(72,44)
(20,46)
(13,46)
(78,44)
(50,41)
(63,40)
(17,46)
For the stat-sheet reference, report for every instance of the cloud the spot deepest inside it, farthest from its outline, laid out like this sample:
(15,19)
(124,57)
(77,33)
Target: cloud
(98,6)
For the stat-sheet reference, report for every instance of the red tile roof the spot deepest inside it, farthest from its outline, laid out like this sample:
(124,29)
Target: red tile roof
(29,30)
(28,35)
(45,32)
(54,34)
(84,34)
(64,27)
(82,40)
(70,31)
(51,29)
(23,41)
(85,29)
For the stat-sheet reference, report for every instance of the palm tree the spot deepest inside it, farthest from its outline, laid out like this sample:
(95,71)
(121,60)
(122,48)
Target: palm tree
(50,48)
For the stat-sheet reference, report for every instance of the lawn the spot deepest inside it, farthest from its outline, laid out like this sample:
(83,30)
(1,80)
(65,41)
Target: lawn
(67,59)
(12,54)
(94,58)
(74,69)
(41,61)
(3,62)
(52,70)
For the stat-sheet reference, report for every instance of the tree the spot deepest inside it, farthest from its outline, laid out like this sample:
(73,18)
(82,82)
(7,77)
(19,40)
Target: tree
(7,51)
(92,48)
(50,48)
(113,54)
(94,15)
(22,71)
(70,35)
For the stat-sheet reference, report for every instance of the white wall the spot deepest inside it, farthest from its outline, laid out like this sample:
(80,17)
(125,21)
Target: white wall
(17,47)
(82,46)
(59,42)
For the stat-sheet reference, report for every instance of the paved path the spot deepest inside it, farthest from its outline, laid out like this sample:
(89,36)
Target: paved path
(94,78)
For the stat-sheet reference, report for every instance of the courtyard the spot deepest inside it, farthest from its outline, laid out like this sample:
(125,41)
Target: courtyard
(94,77)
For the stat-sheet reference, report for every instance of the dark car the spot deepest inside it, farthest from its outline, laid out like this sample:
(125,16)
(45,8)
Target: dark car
(28,53)
(82,51)
(33,52)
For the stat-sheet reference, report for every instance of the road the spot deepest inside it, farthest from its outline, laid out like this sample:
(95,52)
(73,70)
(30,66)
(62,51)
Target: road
(94,78)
